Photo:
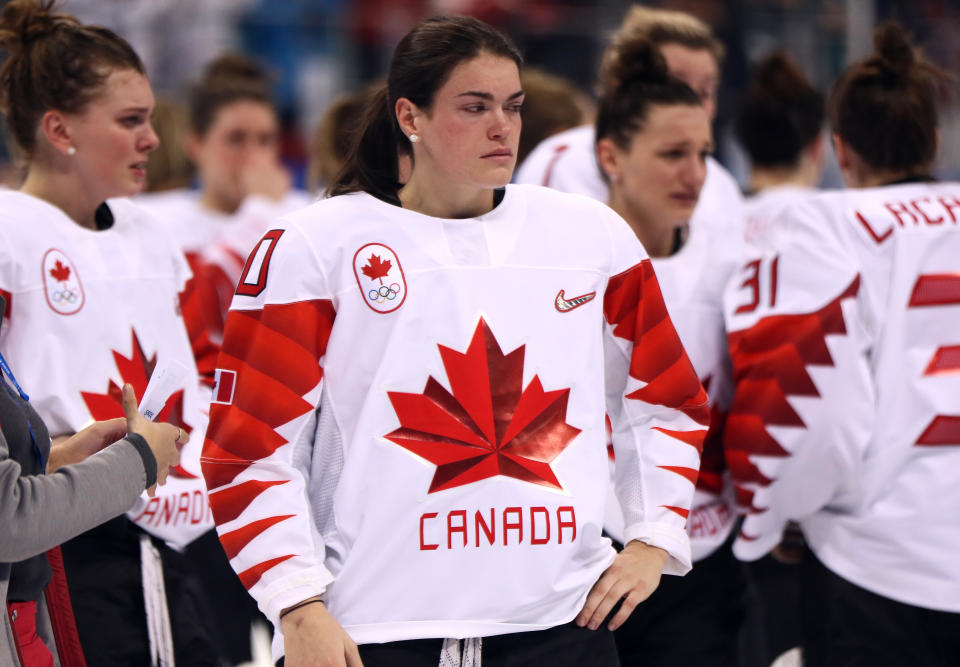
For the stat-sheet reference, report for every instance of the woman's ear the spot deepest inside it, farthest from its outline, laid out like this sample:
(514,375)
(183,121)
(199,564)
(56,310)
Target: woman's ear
(408,117)
(55,127)
(608,157)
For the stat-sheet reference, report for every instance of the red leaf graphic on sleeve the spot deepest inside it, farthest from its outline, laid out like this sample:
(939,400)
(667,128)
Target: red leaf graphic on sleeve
(489,425)
(376,269)
(60,272)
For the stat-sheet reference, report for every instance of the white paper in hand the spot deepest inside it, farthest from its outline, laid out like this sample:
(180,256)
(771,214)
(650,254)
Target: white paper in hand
(168,376)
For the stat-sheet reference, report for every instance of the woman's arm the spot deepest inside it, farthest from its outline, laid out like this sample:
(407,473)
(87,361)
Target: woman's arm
(38,512)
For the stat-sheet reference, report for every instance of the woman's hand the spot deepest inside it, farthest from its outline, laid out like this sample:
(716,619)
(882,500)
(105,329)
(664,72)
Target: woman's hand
(267,178)
(313,638)
(165,440)
(633,577)
(75,448)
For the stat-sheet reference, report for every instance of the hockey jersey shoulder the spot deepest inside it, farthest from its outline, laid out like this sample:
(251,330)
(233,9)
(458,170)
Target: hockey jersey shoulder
(566,162)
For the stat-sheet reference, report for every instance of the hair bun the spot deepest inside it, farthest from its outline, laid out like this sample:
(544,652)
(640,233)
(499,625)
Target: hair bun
(777,76)
(892,50)
(639,62)
(25,21)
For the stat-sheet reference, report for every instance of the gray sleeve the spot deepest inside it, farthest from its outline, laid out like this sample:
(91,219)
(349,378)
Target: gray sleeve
(38,512)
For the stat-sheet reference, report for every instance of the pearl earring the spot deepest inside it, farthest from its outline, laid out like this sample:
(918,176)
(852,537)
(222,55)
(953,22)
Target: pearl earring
(414,138)
(72,150)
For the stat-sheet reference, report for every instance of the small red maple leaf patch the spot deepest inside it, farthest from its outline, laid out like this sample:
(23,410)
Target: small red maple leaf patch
(136,370)
(376,269)
(60,272)
(489,425)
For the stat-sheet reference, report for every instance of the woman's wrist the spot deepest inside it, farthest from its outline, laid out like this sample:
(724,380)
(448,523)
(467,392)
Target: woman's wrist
(291,612)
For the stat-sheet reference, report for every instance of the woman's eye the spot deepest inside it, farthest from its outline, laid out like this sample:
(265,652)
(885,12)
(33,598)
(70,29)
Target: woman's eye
(515,108)
(476,108)
(130,121)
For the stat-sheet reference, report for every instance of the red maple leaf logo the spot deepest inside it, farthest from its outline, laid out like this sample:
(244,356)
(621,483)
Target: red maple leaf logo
(137,371)
(489,425)
(376,269)
(60,272)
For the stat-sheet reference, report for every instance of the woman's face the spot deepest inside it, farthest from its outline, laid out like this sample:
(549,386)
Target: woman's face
(113,136)
(242,137)
(469,135)
(697,68)
(660,174)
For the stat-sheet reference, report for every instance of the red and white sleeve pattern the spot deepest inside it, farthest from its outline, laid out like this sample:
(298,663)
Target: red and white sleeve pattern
(803,396)
(658,412)
(269,379)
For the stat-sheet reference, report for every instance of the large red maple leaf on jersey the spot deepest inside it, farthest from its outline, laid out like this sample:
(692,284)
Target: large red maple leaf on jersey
(136,370)
(489,425)
(376,268)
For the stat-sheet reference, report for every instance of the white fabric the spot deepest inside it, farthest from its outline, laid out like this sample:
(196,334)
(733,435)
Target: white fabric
(465,653)
(878,503)
(376,545)
(692,282)
(198,229)
(159,632)
(125,283)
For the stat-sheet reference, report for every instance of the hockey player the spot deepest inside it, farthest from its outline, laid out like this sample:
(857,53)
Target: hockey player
(653,138)
(843,333)
(407,444)
(567,161)
(93,300)
(780,126)
(234,142)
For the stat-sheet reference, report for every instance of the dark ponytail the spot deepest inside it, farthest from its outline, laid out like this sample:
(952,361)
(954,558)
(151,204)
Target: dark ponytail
(638,80)
(421,64)
(781,114)
(53,62)
(885,107)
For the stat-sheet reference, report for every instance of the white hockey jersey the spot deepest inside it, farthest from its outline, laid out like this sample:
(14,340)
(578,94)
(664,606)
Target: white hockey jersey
(196,228)
(692,283)
(409,415)
(90,310)
(216,246)
(844,332)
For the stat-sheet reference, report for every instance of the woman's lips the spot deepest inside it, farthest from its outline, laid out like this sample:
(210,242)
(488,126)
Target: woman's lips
(500,153)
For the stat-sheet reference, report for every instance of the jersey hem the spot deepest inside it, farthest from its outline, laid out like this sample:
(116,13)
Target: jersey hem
(849,570)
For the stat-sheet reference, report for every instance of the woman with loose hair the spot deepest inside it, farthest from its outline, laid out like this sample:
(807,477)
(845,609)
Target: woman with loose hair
(95,298)
(843,334)
(407,454)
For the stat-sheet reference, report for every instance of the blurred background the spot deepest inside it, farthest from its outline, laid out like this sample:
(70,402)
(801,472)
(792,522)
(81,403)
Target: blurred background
(317,49)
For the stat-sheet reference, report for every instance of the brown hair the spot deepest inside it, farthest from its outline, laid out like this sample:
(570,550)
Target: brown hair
(229,78)
(781,115)
(334,135)
(643,81)
(53,62)
(551,104)
(885,107)
(421,64)
(658,27)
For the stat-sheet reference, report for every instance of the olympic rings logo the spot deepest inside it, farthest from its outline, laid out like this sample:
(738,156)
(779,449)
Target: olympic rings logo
(384,293)
(67,295)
